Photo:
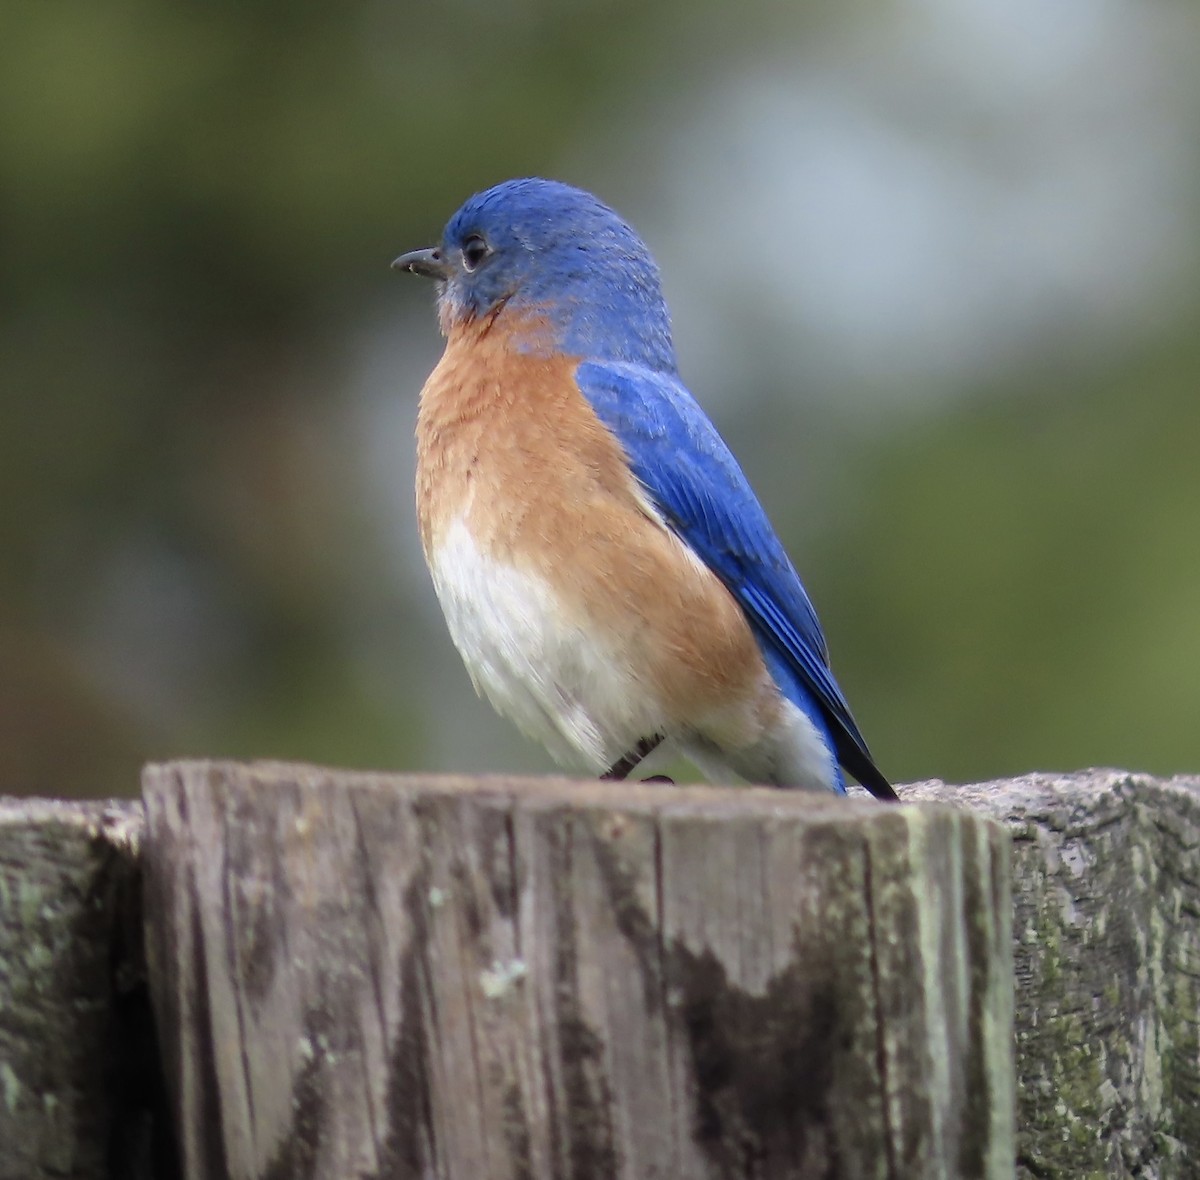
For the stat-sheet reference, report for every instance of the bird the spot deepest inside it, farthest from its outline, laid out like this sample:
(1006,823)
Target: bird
(607,574)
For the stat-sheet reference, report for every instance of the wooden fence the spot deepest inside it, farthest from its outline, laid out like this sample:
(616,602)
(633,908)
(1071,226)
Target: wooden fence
(278,971)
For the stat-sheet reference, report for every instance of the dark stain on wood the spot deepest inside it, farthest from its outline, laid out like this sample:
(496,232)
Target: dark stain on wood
(589,1148)
(762,1064)
(410,1138)
(207,1110)
(641,930)
(974,1149)
(141,1143)
(516,1135)
(499,850)
(296,1158)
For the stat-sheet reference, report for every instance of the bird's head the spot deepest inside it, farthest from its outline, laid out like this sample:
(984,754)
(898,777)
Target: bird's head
(542,253)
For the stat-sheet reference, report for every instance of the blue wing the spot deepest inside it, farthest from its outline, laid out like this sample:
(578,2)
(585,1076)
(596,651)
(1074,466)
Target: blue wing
(693,478)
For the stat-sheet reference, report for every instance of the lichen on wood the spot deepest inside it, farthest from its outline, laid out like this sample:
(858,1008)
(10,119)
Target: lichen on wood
(72,1002)
(1106,892)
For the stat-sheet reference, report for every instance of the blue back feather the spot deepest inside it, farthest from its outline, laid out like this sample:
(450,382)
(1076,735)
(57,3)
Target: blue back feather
(693,478)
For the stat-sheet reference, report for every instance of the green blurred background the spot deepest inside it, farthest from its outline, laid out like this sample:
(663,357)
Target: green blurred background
(934,272)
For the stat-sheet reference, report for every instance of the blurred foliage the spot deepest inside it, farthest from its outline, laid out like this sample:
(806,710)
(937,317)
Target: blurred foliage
(191,198)
(1020,591)
(197,205)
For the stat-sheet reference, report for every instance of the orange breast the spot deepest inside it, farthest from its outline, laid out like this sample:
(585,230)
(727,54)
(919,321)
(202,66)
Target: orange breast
(507,444)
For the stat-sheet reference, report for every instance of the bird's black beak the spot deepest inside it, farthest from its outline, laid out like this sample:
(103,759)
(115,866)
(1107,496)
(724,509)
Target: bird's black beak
(429,263)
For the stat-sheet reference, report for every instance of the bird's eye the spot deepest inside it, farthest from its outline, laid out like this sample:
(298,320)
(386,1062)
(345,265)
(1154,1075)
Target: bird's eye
(474,251)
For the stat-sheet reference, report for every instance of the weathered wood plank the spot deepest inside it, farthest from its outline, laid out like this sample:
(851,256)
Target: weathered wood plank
(412,977)
(1108,1010)
(73,1012)
(1106,887)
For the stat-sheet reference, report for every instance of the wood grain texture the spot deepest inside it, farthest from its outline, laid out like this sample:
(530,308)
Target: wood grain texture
(1106,888)
(74,1019)
(370,976)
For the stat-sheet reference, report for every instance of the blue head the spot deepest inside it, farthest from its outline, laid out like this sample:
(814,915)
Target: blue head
(553,253)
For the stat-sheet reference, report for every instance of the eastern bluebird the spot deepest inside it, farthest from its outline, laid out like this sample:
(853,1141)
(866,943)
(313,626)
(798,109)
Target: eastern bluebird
(606,572)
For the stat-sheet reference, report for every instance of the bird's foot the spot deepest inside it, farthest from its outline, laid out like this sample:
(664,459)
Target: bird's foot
(620,769)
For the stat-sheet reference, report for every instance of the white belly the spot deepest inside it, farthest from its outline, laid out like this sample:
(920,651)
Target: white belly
(555,679)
